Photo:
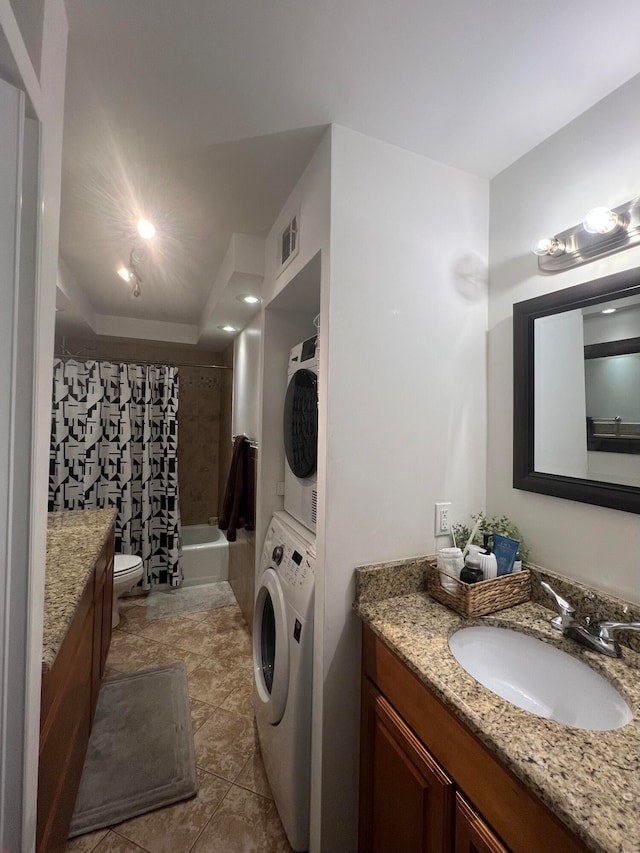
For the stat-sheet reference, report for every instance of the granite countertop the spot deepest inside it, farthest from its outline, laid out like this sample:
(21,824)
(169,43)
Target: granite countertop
(74,542)
(590,780)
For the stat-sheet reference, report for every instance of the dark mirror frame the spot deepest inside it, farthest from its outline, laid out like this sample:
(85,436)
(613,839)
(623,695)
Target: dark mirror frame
(525,313)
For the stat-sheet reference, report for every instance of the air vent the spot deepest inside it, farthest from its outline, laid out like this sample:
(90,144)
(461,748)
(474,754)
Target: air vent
(289,243)
(314,506)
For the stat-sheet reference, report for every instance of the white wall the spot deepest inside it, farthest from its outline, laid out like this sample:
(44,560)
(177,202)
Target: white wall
(283,327)
(602,328)
(402,414)
(286,325)
(246,379)
(614,467)
(559,419)
(46,95)
(548,190)
(613,387)
(405,401)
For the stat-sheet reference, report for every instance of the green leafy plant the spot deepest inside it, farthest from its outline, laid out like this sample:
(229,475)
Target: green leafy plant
(460,534)
(499,524)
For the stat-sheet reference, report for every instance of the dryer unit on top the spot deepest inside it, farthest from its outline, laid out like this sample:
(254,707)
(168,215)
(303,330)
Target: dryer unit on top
(300,428)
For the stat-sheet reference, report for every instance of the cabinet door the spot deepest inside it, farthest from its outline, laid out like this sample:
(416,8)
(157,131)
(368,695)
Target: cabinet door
(406,799)
(107,604)
(472,833)
(96,665)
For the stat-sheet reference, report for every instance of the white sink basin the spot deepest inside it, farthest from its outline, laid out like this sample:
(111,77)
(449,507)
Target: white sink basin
(539,678)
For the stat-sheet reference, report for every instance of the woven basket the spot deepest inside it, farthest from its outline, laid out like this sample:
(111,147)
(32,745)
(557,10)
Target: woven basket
(478,599)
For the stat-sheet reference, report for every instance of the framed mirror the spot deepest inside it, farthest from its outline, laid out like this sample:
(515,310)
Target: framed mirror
(576,394)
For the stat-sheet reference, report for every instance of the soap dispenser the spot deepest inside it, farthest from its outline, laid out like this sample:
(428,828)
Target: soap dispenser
(472,573)
(488,562)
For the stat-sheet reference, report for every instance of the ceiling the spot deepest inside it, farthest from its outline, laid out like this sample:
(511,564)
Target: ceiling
(202,115)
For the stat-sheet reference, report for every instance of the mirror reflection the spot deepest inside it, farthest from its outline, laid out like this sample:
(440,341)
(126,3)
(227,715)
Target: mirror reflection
(587,392)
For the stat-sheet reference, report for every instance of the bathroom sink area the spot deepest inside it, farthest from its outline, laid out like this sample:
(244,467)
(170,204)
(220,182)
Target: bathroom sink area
(540,678)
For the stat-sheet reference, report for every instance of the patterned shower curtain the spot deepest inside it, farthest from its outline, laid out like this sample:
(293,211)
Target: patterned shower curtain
(114,442)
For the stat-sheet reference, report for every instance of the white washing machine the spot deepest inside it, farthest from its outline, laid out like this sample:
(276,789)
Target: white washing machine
(283,665)
(300,433)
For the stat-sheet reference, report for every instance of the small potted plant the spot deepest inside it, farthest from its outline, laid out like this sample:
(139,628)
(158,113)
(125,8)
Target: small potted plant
(499,524)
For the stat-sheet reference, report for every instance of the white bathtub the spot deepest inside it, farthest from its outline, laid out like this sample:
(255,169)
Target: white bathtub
(205,555)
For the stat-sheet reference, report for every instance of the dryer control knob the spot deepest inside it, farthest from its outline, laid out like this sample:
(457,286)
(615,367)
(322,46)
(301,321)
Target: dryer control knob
(278,552)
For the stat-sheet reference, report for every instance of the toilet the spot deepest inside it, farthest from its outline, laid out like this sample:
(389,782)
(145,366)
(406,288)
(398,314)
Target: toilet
(127,571)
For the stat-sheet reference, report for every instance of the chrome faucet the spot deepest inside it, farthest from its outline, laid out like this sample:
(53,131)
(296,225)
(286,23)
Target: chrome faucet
(594,635)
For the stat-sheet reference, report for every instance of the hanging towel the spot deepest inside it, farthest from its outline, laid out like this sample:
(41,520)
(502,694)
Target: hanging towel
(238,506)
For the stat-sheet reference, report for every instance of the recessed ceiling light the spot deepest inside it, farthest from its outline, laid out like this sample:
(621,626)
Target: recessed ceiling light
(248,298)
(609,311)
(228,328)
(145,229)
(125,274)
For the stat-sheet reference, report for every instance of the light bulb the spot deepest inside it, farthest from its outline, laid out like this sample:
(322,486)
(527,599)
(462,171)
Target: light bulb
(601,220)
(228,328)
(125,274)
(145,229)
(548,246)
(248,298)
(608,311)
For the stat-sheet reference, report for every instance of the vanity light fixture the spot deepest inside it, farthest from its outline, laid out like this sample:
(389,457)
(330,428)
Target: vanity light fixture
(601,220)
(603,231)
(228,328)
(548,246)
(146,229)
(248,298)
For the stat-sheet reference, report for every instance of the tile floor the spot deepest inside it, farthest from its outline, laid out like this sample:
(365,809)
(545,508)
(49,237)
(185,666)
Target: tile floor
(233,811)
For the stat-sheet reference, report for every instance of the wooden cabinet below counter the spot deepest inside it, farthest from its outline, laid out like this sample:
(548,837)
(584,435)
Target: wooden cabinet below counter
(69,696)
(428,785)
(406,798)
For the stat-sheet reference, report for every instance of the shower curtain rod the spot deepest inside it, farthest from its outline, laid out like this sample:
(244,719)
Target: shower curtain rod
(142,361)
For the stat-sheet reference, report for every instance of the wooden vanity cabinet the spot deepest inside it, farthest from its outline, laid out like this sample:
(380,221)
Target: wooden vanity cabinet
(69,696)
(428,785)
(472,834)
(406,798)
(103,598)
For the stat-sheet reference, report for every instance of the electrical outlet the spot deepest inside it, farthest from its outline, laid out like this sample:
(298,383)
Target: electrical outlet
(442,524)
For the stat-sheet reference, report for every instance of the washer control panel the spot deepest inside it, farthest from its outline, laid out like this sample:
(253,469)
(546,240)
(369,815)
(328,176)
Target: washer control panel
(288,556)
(296,567)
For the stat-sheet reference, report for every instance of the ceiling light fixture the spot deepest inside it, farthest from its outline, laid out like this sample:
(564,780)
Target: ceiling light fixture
(131,273)
(248,298)
(603,231)
(608,311)
(228,328)
(145,229)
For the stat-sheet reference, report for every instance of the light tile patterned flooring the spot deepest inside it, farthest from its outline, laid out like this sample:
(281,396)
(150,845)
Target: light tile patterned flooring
(234,811)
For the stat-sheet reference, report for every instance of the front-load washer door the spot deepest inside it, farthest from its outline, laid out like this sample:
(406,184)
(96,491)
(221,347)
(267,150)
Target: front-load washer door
(270,647)
(300,423)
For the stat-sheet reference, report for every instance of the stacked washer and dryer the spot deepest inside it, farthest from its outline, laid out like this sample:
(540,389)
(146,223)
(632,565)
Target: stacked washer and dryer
(283,615)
